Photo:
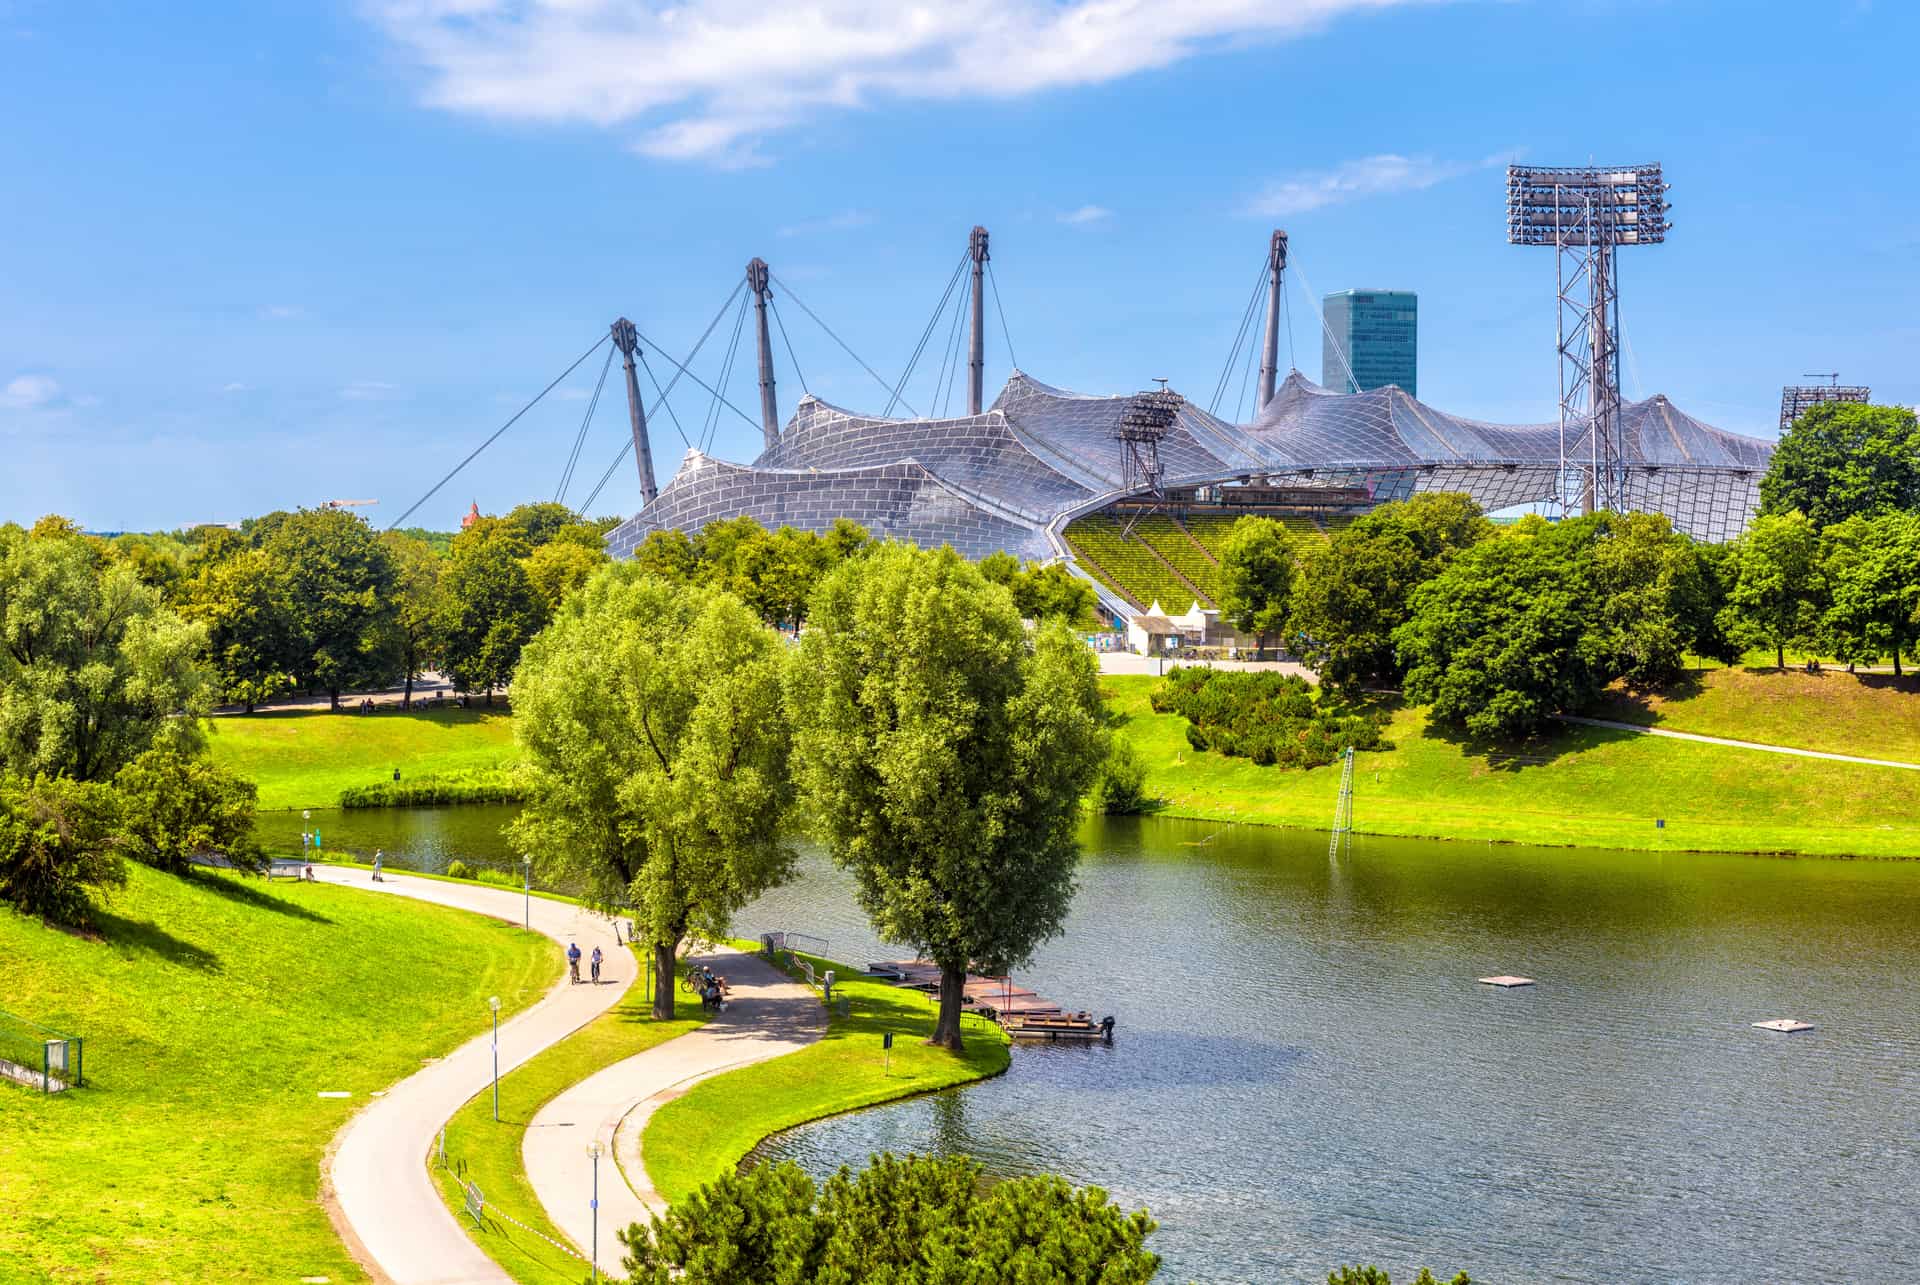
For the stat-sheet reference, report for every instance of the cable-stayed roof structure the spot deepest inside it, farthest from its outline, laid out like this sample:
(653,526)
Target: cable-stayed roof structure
(1009,476)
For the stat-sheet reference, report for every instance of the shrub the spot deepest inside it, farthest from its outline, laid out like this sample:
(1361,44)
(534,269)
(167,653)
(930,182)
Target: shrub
(1277,720)
(459,870)
(56,841)
(499,878)
(1120,789)
(436,790)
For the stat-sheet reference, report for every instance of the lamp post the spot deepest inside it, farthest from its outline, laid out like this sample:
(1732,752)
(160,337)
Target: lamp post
(493,1003)
(593,1149)
(526,888)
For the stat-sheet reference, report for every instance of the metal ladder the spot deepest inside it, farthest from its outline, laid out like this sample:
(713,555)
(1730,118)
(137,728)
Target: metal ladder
(1343,810)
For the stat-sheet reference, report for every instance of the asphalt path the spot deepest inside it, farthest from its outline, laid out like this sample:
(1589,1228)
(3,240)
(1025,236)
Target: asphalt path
(1703,739)
(375,1178)
(766,1015)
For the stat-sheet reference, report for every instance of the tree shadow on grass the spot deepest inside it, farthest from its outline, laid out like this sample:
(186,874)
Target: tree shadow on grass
(139,936)
(1630,704)
(1518,755)
(234,890)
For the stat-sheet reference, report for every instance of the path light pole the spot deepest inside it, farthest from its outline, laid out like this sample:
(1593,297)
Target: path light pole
(526,887)
(593,1149)
(494,1004)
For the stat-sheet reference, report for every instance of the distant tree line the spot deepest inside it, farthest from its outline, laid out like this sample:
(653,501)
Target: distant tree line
(1501,629)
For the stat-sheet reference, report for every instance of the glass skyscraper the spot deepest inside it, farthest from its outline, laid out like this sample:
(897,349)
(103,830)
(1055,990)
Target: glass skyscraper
(1379,333)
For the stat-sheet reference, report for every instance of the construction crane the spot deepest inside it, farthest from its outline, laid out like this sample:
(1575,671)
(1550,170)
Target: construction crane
(346,504)
(1831,375)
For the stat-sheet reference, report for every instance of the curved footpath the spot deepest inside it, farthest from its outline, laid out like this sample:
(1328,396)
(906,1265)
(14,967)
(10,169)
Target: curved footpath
(380,1195)
(767,1015)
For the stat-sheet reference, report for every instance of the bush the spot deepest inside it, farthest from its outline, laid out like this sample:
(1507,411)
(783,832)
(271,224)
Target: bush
(499,878)
(1120,789)
(1277,720)
(436,790)
(459,870)
(56,841)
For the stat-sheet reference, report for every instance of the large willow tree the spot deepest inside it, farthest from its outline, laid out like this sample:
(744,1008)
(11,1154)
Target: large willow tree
(943,751)
(651,718)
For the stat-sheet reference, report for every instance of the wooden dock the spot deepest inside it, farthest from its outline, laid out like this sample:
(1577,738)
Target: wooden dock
(1024,1014)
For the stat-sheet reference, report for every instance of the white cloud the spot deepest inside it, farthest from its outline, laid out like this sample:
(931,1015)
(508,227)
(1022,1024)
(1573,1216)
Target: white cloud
(235,387)
(1086,214)
(1353,180)
(29,392)
(367,390)
(281,312)
(708,79)
(832,223)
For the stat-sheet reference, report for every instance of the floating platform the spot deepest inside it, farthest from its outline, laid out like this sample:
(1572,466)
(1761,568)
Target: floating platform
(1078,1026)
(1506,982)
(1785,1025)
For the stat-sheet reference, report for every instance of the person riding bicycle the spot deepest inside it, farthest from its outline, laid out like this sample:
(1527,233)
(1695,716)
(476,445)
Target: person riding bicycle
(573,962)
(596,965)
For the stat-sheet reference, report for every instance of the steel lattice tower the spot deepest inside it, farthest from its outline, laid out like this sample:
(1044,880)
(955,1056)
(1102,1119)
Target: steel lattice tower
(1585,214)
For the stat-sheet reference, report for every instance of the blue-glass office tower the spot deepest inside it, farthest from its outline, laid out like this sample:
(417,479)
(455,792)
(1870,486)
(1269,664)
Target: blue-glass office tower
(1379,333)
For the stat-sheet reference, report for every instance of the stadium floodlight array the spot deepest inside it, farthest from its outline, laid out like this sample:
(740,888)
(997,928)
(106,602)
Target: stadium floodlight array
(1797,399)
(1560,205)
(1584,213)
(1142,425)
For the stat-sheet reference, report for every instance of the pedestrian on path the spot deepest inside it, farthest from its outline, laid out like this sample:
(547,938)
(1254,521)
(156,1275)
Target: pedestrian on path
(596,965)
(573,962)
(377,855)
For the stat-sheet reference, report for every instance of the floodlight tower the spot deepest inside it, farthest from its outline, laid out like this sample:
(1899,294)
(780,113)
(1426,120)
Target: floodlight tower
(627,339)
(1143,423)
(1797,399)
(1585,213)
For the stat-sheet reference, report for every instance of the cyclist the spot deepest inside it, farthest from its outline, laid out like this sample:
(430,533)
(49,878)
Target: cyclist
(596,965)
(573,962)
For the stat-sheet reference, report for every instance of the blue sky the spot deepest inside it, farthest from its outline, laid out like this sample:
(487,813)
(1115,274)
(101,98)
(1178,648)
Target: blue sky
(265,254)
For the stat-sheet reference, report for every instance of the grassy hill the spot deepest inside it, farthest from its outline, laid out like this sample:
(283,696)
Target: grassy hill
(214,1010)
(304,758)
(1590,787)
(1874,715)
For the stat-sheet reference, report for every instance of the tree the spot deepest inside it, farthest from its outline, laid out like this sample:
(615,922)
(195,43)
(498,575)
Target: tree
(1352,590)
(1374,1276)
(1051,592)
(943,752)
(537,524)
(914,1220)
(668,554)
(56,842)
(93,669)
(1775,567)
(490,609)
(1256,576)
(339,585)
(559,567)
(651,716)
(419,604)
(1872,571)
(774,572)
(241,598)
(1120,789)
(1844,459)
(173,808)
(1540,619)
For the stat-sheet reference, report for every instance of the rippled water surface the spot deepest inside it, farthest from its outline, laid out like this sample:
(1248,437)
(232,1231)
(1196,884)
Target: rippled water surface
(1306,1070)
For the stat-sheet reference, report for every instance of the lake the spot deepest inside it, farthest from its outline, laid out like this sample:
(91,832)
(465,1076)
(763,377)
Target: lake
(1306,1072)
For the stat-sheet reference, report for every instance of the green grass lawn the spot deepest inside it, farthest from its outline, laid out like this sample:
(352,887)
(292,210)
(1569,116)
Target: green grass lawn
(304,758)
(704,1133)
(1585,786)
(488,1152)
(1875,715)
(214,1011)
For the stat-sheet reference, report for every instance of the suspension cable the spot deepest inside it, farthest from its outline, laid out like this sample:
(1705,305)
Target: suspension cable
(1338,349)
(1221,385)
(712,423)
(939,309)
(580,438)
(496,432)
(681,367)
(789,343)
(884,386)
(1005,334)
(1246,379)
(949,362)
